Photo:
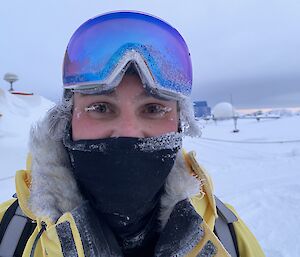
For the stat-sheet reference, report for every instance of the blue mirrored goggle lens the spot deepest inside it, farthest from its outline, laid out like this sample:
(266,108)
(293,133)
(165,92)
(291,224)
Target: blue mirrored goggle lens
(98,46)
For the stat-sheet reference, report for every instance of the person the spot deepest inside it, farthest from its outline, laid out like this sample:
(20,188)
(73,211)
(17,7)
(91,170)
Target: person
(107,175)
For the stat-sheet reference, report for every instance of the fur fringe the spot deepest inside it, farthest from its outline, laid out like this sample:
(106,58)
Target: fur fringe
(53,190)
(180,185)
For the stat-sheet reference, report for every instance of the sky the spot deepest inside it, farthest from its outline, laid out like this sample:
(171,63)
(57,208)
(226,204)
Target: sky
(247,51)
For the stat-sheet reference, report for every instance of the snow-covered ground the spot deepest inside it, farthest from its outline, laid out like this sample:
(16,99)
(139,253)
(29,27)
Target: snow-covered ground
(256,170)
(17,113)
(259,174)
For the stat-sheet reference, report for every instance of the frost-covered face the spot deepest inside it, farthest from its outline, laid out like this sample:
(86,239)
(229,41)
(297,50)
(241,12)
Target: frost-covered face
(128,111)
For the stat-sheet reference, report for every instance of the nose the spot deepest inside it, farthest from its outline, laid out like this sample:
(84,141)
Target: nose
(128,126)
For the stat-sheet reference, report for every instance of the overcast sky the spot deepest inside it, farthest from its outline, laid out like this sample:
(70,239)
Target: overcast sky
(249,49)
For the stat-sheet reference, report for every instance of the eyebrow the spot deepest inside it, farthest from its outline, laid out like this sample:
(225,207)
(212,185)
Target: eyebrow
(151,94)
(142,95)
(110,92)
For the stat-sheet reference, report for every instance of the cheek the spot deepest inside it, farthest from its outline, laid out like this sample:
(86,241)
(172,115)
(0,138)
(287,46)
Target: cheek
(77,124)
(168,125)
(84,127)
(78,118)
(81,125)
(174,122)
(173,119)
(77,113)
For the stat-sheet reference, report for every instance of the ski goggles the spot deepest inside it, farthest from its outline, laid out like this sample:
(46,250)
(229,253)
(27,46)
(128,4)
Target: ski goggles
(101,50)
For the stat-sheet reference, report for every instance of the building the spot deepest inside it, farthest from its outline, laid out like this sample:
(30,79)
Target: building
(201,109)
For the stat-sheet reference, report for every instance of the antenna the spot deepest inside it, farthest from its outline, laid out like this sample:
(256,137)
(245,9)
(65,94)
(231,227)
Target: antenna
(10,78)
(231,102)
(234,116)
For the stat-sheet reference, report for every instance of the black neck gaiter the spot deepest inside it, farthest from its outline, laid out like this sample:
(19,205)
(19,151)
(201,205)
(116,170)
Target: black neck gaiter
(123,179)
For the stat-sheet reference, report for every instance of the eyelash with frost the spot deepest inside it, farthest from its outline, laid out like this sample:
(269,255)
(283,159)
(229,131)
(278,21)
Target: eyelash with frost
(90,108)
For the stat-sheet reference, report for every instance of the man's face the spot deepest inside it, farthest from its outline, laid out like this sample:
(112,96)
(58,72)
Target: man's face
(128,111)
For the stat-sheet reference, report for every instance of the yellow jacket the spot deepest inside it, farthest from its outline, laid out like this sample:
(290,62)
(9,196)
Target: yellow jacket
(51,241)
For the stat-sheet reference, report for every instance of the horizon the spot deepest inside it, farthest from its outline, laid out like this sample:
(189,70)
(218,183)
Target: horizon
(251,110)
(239,109)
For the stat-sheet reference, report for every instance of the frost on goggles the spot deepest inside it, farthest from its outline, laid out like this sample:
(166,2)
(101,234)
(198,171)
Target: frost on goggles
(100,50)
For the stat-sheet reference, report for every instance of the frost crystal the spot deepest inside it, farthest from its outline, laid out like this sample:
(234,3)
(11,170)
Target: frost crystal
(167,141)
(188,124)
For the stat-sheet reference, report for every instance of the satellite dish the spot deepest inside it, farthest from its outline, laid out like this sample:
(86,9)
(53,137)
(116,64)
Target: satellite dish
(10,78)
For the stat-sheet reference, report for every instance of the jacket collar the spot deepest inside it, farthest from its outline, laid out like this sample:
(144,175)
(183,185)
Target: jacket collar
(181,234)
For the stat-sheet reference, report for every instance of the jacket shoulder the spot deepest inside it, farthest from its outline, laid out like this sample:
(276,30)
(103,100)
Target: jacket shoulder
(206,206)
(4,206)
(247,243)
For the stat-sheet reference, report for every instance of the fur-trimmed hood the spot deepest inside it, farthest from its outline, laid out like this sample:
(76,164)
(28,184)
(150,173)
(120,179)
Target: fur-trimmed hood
(54,190)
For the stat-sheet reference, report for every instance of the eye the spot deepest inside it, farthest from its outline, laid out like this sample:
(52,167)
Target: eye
(156,110)
(99,108)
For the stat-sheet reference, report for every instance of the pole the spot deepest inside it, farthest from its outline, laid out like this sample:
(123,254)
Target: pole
(11,87)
